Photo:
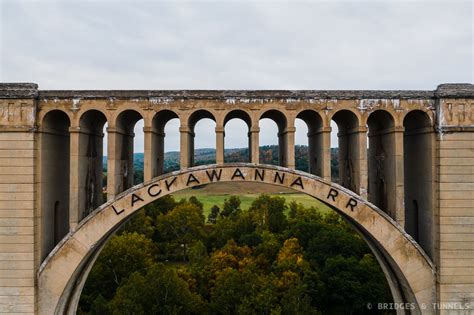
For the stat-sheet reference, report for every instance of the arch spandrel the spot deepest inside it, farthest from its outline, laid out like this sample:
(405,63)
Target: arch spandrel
(61,274)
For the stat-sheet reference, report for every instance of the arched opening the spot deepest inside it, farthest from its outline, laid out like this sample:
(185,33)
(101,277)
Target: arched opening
(301,146)
(202,138)
(381,161)
(90,161)
(315,140)
(411,277)
(54,157)
(418,157)
(348,148)
(235,253)
(334,152)
(237,144)
(138,152)
(105,164)
(121,152)
(273,150)
(164,137)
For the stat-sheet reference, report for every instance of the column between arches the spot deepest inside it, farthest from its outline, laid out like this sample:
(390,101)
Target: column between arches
(220,134)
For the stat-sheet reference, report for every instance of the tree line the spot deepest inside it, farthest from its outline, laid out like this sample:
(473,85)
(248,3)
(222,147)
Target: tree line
(268,154)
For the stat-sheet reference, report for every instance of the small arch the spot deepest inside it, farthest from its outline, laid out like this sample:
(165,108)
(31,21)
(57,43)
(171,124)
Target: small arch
(92,121)
(197,116)
(417,119)
(348,144)
(207,156)
(55,165)
(281,122)
(237,120)
(43,113)
(381,161)
(278,117)
(238,114)
(160,122)
(127,119)
(90,169)
(315,142)
(121,175)
(428,114)
(418,161)
(161,118)
(380,120)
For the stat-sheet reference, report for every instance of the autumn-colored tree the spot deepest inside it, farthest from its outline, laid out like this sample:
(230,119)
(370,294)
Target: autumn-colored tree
(290,257)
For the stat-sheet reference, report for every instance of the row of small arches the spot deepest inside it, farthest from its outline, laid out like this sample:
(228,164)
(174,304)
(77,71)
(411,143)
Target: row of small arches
(343,120)
(343,117)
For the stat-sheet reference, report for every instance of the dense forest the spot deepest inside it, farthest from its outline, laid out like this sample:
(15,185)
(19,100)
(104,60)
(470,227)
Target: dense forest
(272,258)
(268,155)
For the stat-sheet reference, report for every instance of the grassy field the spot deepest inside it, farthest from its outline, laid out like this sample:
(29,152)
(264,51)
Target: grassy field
(215,194)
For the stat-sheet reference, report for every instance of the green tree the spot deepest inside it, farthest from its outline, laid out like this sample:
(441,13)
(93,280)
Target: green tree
(141,223)
(304,225)
(268,248)
(231,207)
(179,228)
(352,283)
(159,291)
(245,229)
(295,299)
(123,255)
(193,200)
(221,232)
(270,212)
(213,214)
(244,291)
(162,205)
(197,254)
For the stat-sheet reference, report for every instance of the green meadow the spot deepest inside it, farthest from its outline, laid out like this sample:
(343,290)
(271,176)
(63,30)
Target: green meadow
(212,194)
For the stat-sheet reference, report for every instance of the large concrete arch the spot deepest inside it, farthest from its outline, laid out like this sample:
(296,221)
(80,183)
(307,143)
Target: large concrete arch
(409,271)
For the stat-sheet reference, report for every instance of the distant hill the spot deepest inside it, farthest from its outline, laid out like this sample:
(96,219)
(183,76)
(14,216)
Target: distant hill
(268,155)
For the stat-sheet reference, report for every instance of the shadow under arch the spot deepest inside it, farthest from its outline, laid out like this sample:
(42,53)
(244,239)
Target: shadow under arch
(410,273)
(54,138)
(315,135)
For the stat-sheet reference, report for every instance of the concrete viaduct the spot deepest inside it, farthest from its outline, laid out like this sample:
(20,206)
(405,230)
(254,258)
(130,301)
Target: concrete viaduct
(406,167)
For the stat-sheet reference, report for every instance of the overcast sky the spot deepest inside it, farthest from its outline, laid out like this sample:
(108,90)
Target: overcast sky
(236,45)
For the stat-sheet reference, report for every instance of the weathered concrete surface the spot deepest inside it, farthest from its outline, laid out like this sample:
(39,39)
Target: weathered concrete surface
(59,274)
(18,208)
(455,196)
